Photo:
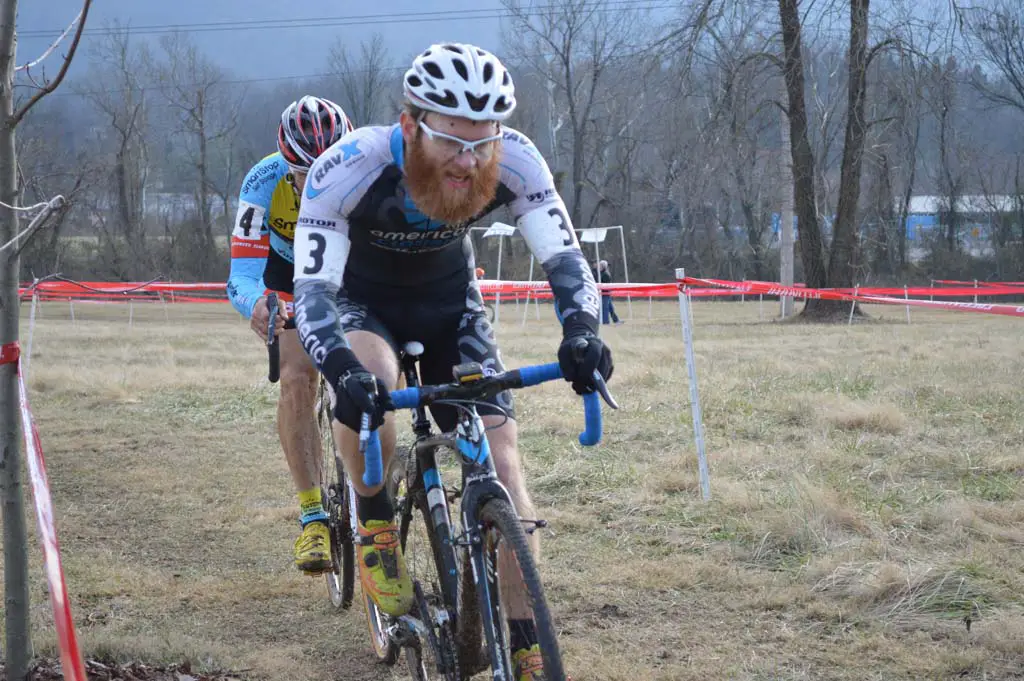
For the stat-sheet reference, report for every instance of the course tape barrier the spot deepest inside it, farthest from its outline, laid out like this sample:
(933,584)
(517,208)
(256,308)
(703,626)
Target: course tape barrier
(214,292)
(70,656)
(858,295)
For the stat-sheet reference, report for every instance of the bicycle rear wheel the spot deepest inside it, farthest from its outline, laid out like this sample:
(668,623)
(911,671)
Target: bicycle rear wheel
(337,495)
(503,530)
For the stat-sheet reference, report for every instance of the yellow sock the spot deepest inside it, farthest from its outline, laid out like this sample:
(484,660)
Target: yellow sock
(311,505)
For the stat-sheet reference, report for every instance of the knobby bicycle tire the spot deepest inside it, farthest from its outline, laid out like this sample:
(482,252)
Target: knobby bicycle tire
(340,585)
(386,649)
(445,563)
(499,515)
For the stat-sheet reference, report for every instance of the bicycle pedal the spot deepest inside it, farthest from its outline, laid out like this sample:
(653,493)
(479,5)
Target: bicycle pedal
(317,573)
(534,525)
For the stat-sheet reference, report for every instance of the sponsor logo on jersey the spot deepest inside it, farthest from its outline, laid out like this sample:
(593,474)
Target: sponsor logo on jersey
(511,136)
(284,210)
(442,235)
(259,176)
(317,222)
(540,197)
(348,155)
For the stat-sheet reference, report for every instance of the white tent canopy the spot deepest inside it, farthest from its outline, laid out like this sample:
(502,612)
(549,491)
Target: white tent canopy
(591,235)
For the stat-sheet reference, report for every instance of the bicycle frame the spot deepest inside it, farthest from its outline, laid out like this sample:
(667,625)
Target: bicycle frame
(480,484)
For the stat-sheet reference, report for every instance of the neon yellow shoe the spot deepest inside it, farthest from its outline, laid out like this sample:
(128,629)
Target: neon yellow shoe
(313,549)
(382,571)
(528,664)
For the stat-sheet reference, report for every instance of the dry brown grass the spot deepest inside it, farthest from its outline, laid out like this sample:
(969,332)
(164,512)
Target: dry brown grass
(866,483)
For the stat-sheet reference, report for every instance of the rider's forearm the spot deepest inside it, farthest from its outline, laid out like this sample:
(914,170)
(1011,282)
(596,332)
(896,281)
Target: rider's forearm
(245,284)
(576,297)
(317,321)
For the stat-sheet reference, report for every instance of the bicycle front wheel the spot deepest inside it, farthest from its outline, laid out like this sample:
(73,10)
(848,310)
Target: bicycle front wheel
(337,496)
(504,556)
(430,557)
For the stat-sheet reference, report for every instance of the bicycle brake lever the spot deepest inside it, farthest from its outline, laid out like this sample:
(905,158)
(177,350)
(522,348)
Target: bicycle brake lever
(272,318)
(602,388)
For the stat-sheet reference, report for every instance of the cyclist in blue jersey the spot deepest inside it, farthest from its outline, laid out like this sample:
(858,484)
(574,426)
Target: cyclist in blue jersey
(261,262)
(383,257)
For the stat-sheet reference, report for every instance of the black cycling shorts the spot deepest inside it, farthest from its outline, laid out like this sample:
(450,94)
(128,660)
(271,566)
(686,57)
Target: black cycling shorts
(450,333)
(278,273)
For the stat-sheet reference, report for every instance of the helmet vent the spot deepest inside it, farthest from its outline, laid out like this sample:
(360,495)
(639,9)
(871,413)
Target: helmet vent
(477,103)
(448,101)
(433,69)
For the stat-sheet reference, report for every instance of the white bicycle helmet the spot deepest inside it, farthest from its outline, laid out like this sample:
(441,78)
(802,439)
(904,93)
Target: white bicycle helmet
(308,126)
(461,80)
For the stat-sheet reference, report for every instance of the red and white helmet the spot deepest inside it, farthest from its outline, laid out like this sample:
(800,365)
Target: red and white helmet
(308,127)
(461,80)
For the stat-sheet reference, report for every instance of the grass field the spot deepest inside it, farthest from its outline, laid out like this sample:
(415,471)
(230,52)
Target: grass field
(866,521)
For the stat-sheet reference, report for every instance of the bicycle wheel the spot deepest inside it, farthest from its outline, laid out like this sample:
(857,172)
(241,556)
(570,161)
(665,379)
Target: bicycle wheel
(435,569)
(384,629)
(337,495)
(501,527)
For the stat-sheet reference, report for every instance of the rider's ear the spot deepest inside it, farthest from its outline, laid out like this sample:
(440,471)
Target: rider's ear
(408,124)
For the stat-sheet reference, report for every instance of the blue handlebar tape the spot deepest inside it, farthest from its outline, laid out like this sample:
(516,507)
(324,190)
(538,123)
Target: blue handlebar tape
(407,398)
(592,417)
(373,473)
(540,373)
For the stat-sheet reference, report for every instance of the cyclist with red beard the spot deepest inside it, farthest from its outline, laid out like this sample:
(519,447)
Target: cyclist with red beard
(383,257)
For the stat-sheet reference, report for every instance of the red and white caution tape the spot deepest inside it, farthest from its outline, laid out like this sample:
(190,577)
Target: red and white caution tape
(759,287)
(71,658)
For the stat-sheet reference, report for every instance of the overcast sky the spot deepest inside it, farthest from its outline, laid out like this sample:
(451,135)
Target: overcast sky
(275,40)
(260,47)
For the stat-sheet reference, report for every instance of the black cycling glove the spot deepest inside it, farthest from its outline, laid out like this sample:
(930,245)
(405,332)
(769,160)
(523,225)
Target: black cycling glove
(357,391)
(580,354)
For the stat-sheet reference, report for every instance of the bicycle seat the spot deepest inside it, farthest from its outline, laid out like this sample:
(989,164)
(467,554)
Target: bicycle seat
(413,349)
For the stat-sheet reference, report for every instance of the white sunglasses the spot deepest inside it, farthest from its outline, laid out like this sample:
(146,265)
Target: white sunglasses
(456,145)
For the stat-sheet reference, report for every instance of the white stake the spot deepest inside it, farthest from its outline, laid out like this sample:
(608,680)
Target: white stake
(698,421)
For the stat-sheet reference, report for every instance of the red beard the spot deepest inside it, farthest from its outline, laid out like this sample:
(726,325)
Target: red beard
(437,199)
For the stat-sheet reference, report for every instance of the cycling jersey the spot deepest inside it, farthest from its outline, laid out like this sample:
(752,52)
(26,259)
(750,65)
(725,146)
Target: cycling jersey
(360,233)
(262,238)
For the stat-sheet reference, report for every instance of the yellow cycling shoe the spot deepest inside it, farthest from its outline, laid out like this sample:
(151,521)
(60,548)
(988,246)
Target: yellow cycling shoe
(313,549)
(382,570)
(528,664)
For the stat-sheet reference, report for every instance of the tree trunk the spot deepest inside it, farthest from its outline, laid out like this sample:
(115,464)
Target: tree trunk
(905,204)
(755,237)
(16,601)
(842,258)
(809,237)
(842,261)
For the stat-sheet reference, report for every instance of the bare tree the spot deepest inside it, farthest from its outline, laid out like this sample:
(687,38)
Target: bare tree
(574,43)
(812,253)
(48,165)
(903,90)
(365,79)
(117,88)
(16,598)
(206,115)
(841,263)
(740,108)
(949,173)
(997,32)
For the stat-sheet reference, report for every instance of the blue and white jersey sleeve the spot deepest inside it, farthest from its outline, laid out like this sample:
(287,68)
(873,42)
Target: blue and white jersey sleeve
(250,237)
(544,222)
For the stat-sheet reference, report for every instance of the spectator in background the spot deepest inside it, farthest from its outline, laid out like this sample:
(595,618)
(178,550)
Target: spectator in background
(603,276)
